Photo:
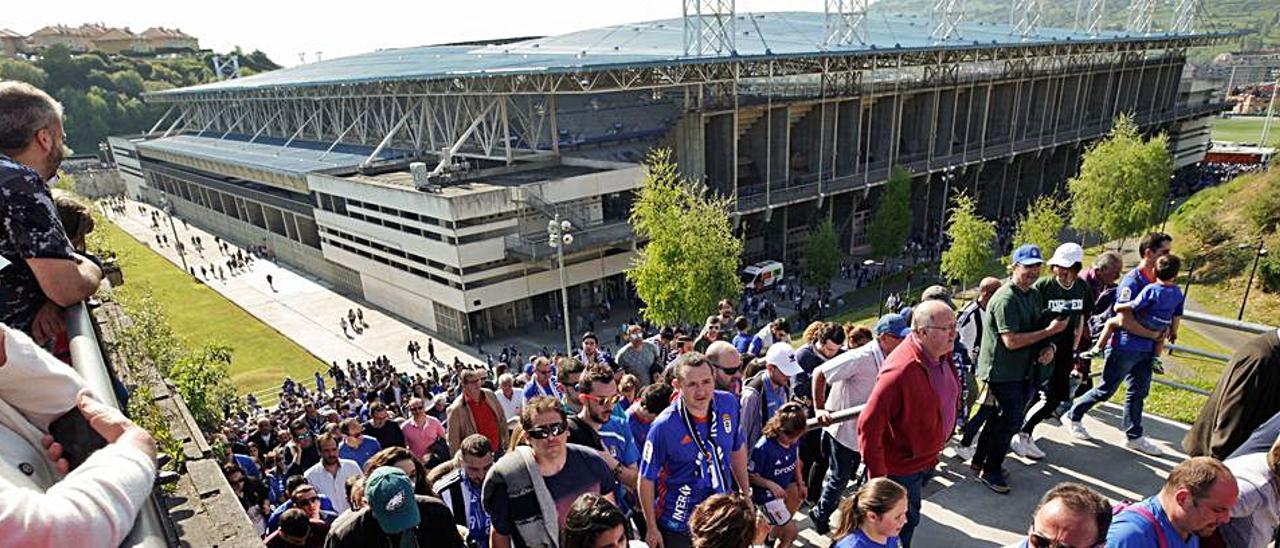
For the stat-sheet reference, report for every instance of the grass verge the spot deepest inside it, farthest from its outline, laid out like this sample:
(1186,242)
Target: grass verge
(263,357)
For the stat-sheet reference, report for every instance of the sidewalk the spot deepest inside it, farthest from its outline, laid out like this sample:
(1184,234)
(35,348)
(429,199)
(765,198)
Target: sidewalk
(299,307)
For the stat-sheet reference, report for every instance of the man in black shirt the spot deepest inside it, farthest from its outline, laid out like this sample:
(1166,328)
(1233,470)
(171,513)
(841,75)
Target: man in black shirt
(382,428)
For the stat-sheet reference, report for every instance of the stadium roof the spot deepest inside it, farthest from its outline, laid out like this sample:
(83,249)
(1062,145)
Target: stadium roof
(759,35)
(267,153)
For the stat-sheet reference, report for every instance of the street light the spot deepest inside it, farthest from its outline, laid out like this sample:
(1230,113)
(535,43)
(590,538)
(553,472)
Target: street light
(558,237)
(870,262)
(177,244)
(1167,212)
(1258,254)
(948,175)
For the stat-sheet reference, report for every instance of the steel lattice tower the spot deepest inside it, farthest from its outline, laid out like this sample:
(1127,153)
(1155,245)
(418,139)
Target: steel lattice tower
(846,22)
(947,15)
(1025,17)
(709,27)
(1141,16)
(1184,15)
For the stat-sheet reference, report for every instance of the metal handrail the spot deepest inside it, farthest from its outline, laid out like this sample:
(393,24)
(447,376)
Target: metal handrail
(842,415)
(86,358)
(1219,321)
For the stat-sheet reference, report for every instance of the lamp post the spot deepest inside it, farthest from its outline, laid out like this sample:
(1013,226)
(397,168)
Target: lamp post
(948,175)
(177,244)
(558,237)
(1168,210)
(1258,254)
(870,262)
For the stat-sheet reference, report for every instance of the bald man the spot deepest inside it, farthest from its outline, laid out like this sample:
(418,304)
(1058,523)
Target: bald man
(1070,514)
(726,363)
(912,409)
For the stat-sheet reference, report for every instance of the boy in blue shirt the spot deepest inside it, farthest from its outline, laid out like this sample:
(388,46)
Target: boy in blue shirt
(1157,307)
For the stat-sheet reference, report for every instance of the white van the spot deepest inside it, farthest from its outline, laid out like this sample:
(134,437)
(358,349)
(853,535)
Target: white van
(761,276)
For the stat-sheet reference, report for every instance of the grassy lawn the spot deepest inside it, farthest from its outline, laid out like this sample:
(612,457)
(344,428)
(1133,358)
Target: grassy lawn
(1240,129)
(199,315)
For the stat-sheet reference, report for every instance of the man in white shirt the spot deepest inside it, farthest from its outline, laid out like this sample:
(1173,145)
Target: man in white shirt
(509,398)
(852,375)
(329,476)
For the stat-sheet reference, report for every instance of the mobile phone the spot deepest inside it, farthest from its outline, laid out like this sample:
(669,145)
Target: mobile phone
(78,438)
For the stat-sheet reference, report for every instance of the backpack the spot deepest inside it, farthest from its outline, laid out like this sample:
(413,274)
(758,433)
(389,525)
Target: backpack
(1138,508)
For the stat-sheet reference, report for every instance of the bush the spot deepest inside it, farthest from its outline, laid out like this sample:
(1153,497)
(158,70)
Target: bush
(1263,211)
(1269,273)
(1206,229)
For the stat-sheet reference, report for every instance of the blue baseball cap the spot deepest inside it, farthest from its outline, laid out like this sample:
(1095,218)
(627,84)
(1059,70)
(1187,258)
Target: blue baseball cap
(389,492)
(893,324)
(1027,255)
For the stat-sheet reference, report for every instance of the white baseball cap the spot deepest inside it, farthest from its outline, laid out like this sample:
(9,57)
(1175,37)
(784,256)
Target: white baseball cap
(1067,255)
(782,356)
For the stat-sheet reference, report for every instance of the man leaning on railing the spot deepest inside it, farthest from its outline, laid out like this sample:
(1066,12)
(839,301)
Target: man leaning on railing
(40,271)
(42,502)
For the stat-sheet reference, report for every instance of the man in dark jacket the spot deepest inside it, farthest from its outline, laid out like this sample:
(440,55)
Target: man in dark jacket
(395,517)
(1244,398)
(902,430)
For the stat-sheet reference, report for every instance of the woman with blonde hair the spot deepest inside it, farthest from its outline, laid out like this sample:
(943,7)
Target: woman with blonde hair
(872,517)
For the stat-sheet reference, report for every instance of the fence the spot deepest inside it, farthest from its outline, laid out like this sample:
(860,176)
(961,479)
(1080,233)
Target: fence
(149,529)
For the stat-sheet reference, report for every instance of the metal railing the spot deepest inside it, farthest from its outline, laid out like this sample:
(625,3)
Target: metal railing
(148,530)
(842,415)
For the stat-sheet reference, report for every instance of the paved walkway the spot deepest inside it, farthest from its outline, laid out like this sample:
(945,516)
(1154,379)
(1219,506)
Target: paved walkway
(301,308)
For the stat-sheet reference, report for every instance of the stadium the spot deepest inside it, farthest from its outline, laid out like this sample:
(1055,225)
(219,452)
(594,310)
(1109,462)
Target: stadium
(422,180)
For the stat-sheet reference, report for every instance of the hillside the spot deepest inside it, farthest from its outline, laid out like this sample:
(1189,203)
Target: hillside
(1262,17)
(1217,231)
(101,93)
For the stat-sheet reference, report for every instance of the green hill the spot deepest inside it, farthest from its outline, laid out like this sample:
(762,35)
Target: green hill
(101,93)
(1261,17)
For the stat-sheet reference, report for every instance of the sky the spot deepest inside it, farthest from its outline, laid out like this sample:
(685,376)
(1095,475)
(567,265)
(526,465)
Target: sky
(284,28)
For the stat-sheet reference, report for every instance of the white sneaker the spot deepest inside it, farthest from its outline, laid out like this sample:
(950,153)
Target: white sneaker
(1019,445)
(1032,450)
(1078,431)
(965,453)
(1144,446)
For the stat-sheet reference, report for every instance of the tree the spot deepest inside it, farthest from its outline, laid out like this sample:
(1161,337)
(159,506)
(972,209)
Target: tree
(1041,225)
(892,220)
(691,259)
(203,379)
(971,236)
(822,255)
(22,71)
(1123,182)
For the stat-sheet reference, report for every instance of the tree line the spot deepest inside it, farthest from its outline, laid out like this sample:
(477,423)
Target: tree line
(102,93)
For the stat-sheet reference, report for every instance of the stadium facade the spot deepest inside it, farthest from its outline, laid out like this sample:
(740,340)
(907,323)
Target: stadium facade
(320,162)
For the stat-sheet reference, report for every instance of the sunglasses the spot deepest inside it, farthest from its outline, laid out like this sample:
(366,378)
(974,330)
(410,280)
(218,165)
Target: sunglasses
(731,371)
(1039,540)
(547,431)
(308,500)
(606,402)
(416,408)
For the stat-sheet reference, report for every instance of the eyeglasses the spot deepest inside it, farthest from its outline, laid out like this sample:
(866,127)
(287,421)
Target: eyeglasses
(308,500)
(1041,540)
(951,327)
(547,431)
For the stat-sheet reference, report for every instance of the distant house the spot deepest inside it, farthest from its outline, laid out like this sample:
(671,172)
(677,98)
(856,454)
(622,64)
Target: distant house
(167,39)
(11,43)
(98,37)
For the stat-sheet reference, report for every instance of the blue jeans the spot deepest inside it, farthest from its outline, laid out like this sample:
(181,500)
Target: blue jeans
(843,465)
(914,483)
(1131,367)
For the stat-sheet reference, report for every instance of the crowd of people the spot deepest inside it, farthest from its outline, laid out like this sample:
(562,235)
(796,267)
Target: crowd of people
(715,437)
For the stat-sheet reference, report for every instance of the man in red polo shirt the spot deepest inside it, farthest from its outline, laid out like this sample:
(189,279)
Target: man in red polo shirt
(476,411)
(902,429)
